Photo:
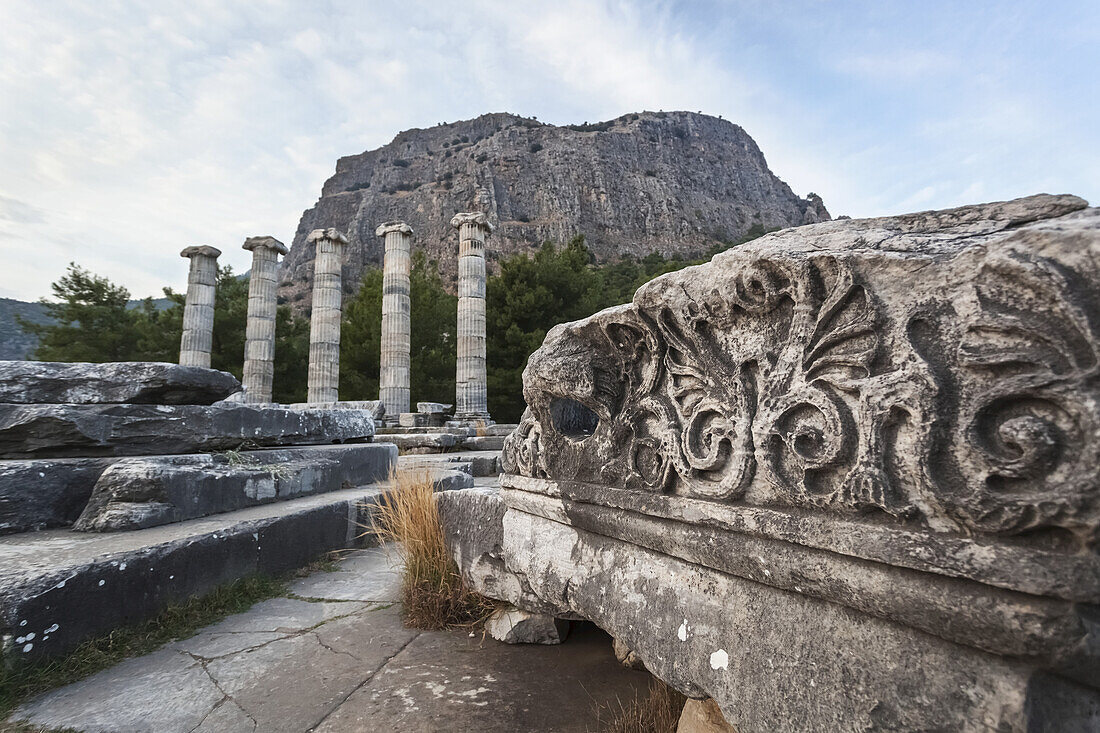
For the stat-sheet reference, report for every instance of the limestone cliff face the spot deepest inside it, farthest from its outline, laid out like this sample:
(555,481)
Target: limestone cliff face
(675,182)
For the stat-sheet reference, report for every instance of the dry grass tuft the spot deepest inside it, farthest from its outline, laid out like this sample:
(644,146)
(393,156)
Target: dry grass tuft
(434,596)
(657,712)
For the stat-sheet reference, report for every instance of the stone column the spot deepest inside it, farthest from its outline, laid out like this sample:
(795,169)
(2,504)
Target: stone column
(324,325)
(198,308)
(393,380)
(470,379)
(259,345)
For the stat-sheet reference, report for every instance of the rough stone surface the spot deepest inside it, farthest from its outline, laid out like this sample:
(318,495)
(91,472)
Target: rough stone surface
(482,442)
(135,493)
(29,431)
(626,656)
(132,382)
(433,408)
(855,460)
(514,626)
(674,182)
(703,716)
(473,523)
(46,493)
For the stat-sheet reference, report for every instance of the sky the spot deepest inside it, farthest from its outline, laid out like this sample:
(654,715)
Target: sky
(129,130)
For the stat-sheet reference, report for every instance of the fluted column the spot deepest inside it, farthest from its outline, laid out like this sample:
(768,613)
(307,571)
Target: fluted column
(470,378)
(259,344)
(324,325)
(198,307)
(393,378)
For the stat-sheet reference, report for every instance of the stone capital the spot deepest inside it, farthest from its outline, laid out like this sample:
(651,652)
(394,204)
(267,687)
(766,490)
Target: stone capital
(200,250)
(254,243)
(330,233)
(393,226)
(475,217)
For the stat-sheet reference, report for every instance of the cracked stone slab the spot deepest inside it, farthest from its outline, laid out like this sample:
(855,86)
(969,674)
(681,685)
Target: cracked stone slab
(447,681)
(162,692)
(372,575)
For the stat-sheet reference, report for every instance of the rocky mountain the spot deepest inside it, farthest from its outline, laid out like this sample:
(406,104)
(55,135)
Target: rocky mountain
(673,182)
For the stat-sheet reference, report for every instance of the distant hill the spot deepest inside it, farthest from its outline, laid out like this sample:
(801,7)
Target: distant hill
(671,182)
(14,344)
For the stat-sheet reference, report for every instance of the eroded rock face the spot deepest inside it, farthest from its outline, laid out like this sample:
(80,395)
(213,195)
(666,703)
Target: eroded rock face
(675,182)
(858,455)
(136,382)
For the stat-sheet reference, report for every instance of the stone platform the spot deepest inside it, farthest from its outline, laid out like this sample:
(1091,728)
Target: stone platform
(341,662)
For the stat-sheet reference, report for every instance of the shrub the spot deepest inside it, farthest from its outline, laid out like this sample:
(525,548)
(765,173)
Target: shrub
(482,158)
(433,594)
(400,163)
(535,147)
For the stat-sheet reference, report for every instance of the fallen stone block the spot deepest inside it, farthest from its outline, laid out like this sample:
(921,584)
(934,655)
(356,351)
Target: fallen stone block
(136,493)
(398,430)
(482,442)
(127,382)
(433,408)
(413,443)
(419,420)
(45,493)
(479,463)
(853,462)
(32,431)
(513,626)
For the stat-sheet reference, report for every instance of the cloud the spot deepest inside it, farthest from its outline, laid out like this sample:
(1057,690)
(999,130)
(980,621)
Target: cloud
(133,129)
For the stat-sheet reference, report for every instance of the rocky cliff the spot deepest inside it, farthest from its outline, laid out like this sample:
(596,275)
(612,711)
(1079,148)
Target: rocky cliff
(675,182)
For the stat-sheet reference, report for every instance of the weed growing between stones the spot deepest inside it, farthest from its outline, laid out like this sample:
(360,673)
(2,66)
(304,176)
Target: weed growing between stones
(179,621)
(434,595)
(657,712)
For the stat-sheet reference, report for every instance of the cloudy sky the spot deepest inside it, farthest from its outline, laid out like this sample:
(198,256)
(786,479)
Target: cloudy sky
(129,130)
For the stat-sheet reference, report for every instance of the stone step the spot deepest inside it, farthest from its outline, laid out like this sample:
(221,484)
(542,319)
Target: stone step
(47,492)
(398,430)
(66,431)
(59,588)
(136,493)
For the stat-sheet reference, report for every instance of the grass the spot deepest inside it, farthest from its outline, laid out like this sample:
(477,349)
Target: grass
(434,595)
(657,712)
(178,621)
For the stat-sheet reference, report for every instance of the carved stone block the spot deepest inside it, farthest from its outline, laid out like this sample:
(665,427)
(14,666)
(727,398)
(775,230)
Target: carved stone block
(858,455)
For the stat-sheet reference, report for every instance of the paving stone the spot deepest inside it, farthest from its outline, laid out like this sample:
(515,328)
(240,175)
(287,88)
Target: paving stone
(162,692)
(448,681)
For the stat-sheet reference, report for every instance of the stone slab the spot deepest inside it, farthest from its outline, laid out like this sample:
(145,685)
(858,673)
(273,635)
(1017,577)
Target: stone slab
(85,584)
(41,431)
(420,420)
(46,493)
(433,408)
(136,493)
(481,463)
(372,575)
(398,430)
(128,382)
(374,407)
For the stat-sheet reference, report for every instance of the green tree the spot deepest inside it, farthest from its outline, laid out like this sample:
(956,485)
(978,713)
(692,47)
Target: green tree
(291,356)
(525,300)
(361,340)
(90,320)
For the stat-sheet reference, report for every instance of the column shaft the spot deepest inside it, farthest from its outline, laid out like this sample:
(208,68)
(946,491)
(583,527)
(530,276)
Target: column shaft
(394,373)
(471,401)
(324,327)
(198,309)
(259,345)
